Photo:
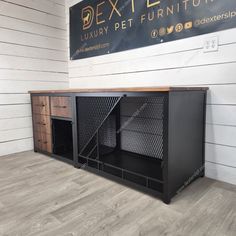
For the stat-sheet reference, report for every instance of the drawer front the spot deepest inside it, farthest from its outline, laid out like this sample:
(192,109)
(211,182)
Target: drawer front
(42,123)
(43,142)
(37,141)
(40,105)
(61,107)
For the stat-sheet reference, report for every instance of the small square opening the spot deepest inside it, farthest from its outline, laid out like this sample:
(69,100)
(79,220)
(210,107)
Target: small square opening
(62,138)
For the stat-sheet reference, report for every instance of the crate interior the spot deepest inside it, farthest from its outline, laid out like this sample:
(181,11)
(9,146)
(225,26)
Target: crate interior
(62,138)
(128,139)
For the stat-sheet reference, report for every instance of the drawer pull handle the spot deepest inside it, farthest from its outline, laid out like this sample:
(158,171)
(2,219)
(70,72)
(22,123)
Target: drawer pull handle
(60,106)
(45,142)
(40,105)
(39,123)
(39,140)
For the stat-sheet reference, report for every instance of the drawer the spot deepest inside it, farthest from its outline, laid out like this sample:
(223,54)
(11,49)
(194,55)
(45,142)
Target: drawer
(43,142)
(40,105)
(61,107)
(42,123)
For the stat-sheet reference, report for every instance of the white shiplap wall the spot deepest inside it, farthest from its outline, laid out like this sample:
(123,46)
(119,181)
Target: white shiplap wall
(33,56)
(178,63)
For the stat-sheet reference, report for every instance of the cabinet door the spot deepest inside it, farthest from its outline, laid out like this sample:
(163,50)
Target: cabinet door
(40,105)
(61,106)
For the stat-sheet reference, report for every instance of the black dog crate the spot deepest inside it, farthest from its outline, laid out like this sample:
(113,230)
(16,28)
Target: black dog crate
(151,141)
(62,138)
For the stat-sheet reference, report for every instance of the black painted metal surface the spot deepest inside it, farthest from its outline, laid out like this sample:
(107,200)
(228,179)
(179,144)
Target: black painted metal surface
(148,140)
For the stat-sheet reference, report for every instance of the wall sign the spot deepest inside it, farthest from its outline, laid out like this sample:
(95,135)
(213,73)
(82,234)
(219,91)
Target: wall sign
(99,27)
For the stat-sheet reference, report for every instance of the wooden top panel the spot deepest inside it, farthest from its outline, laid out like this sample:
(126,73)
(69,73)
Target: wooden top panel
(134,89)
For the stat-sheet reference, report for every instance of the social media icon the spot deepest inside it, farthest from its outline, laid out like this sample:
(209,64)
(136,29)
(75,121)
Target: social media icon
(154,33)
(179,27)
(162,31)
(188,25)
(170,29)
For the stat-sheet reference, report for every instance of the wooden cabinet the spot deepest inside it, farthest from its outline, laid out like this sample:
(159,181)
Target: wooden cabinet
(42,123)
(40,105)
(61,107)
(43,107)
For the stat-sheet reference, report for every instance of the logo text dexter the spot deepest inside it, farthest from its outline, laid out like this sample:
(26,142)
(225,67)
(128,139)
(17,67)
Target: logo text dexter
(91,14)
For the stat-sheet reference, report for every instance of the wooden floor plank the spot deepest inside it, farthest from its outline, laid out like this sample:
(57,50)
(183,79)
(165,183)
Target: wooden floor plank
(40,196)
(207,215)
(228,226)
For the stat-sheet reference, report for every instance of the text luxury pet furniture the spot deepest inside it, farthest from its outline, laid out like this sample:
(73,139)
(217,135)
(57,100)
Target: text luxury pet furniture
(149,138)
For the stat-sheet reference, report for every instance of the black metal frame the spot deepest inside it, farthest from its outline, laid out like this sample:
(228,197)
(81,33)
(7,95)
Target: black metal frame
(169,188)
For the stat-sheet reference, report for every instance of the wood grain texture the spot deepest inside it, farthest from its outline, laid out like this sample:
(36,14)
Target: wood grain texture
(43,142)
(129,89)
(61,107)
(45,197)
(42,124)
(41,105)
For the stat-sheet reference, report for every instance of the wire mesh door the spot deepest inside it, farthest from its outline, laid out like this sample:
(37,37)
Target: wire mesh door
(96,125)
(124,137)
(142,125)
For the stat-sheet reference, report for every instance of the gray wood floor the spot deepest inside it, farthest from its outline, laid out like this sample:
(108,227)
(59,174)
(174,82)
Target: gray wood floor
(42,196)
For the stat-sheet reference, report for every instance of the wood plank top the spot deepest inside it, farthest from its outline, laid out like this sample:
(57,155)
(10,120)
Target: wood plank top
(131,89)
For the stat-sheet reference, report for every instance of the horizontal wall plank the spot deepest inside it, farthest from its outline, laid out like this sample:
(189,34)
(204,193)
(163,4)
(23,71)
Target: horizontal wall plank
(222,115)
(9,62)
(10,86)
(9,74)
(218,134)
(42,5)
(15,111)
(14,99)
(208,75)
(15,123)
(9,135)
(31,52)
(19,146)
(60,2)
(27,14)
(220,172)
(178,60)
(33,56)
(219,154)
(223,94)
(72,2)
(17,37)
(33,28)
